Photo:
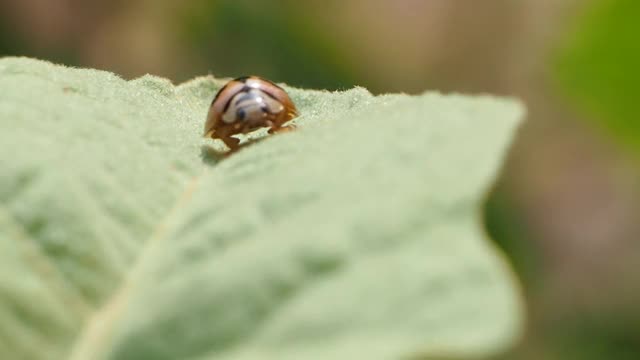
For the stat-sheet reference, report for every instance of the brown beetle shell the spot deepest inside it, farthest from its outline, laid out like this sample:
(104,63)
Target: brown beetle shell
(246,104)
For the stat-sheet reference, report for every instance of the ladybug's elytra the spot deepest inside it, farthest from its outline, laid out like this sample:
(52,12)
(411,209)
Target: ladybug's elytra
(246,104)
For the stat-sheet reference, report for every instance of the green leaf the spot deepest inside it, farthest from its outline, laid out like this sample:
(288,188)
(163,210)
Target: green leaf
(598,68)
(126,235)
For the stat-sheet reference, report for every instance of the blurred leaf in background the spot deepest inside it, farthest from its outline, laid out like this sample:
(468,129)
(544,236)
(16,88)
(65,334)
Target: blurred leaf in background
(505,223)
(272,40)
(607,334)
(598,67)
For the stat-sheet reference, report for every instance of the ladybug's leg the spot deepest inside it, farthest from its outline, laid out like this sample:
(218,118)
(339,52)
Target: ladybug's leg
(231,142)
(224,135)
(277,124)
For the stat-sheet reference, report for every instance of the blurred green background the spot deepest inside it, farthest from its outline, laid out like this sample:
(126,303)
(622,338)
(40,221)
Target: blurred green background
(565,209)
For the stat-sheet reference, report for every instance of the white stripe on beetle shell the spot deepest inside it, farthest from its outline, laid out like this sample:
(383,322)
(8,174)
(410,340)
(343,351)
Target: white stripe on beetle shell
(252,103)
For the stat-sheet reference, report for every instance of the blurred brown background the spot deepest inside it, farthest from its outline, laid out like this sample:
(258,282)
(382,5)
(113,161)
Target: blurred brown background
(566,207)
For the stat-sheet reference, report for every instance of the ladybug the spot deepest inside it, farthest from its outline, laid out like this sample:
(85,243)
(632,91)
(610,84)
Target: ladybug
(246,104)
